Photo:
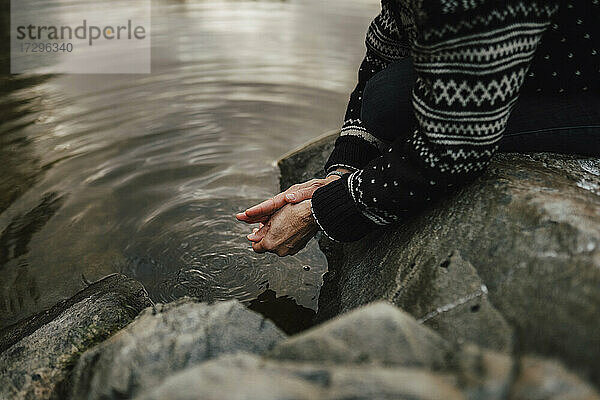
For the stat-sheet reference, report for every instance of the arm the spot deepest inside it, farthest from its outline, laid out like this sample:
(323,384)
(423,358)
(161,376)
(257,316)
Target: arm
(385,43)
(355,147)
(470,65)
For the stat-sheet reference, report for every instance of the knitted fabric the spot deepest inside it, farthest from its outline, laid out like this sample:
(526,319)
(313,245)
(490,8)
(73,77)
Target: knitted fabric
(472,59)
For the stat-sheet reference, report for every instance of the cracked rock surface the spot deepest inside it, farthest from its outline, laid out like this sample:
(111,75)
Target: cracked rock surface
(374,352)
(166,339)
(510,262)
(187,350)
(38,353)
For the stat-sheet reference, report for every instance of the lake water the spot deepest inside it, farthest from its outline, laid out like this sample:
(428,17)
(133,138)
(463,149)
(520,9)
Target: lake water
(142,174)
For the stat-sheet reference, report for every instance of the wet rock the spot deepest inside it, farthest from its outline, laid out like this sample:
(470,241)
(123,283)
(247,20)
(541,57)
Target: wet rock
(378,333)
(512,259)
(309,158)
(484,374)
(547,380)
(345,359)
(451,298)
(382,334)
(240,376)
(39,352)
(165,340)
(245,376)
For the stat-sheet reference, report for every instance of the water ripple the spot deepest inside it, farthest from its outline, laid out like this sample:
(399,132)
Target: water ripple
(152,168)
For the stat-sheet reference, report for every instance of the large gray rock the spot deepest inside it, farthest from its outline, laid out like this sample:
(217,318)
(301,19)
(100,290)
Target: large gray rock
(166,339)
(345,359)
(378,333)
(382,334)
(248,377)
(547,380)
(39,352)
(513,258)
(310,158)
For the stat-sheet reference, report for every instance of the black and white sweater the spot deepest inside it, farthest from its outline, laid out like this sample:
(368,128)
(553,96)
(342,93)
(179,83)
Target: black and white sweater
(472,58)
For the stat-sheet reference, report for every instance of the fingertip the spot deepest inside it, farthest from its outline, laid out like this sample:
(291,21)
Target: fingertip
(255,212)
(257,248)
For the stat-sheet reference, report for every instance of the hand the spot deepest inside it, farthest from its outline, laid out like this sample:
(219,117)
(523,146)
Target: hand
(295,194)
(287,231)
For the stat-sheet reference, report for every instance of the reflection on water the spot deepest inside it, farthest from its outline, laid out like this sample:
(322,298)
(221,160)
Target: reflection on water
(142,174)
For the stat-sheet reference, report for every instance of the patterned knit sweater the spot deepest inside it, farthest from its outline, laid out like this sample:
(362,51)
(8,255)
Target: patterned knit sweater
(472,59)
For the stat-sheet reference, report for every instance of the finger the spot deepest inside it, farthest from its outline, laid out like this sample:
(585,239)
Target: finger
(244,218)
(281,251)
(293,197)
(241,216)
(267,207)
(251,235)
(257,235)
(259,247)
(253,238)
(302,194)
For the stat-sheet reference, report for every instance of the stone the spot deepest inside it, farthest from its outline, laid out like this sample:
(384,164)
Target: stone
(39,353)
(484,374)
(249,377)
(525,237)
(167,339)
(310,158)
(240,376)
(452,299)
(377,332)
(549,380)
(189,350)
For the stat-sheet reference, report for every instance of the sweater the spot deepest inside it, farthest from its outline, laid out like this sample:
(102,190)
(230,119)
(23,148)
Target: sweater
(472,59)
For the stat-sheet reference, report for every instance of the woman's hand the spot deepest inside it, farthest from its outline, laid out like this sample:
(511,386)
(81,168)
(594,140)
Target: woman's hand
(287,231)
(295,194)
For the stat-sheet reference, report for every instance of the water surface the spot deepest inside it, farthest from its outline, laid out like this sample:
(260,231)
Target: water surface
(142,174)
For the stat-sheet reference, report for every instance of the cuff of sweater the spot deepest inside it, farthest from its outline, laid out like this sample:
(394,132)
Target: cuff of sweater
(336,213)
(351,152)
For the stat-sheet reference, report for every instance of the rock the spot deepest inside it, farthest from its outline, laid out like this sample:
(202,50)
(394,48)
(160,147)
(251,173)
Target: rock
(310,158)
(547,380)
(39,352)
(378,333)
(165,340)
(512,258)
(381,334)
(248,377)
(188,350)
(447,296)
(484,374)
(304,368)
(239,376)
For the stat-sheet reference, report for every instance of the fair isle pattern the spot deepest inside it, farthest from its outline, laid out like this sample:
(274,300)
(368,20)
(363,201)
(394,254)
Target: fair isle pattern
(385,44)
(471,59)
(509,13)
(379,217)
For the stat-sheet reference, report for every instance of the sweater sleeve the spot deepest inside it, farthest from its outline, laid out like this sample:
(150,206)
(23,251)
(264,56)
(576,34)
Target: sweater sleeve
(471,59)
(385,43)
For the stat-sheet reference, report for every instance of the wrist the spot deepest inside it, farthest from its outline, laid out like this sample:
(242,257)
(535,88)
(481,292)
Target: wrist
(307,215)
(336,174)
